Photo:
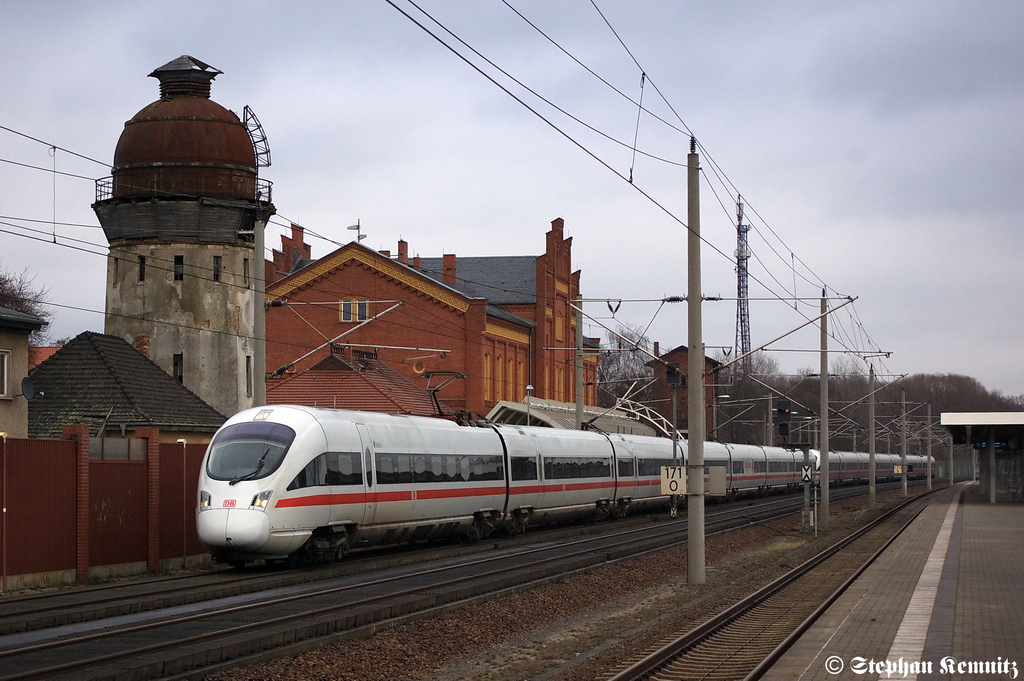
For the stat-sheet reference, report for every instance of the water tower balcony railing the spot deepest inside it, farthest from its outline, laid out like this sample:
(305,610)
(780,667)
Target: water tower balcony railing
(105,189)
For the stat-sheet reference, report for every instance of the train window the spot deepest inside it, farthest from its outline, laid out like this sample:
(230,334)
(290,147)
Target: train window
(248,451)
(313,475)
(486,468)
(563,467)
(760,467)
(344,468)
(394,469)
(524,468)
(627,468)
(369,467)
(737,467)
(651,467)
(400,469)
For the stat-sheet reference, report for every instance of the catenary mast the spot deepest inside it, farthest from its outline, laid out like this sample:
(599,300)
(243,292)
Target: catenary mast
(742,305)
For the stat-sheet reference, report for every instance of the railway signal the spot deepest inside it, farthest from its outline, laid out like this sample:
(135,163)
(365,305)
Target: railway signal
(783,416)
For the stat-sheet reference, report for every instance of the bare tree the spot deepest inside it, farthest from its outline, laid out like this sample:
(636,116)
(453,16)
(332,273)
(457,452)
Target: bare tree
(623,367)
(742,416)
(18,293)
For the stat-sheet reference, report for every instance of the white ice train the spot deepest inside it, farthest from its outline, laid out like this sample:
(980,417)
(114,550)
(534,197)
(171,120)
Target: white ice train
(289,482)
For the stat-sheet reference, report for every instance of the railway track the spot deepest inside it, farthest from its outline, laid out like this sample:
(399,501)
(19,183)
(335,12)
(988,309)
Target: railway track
(744,640)
(34,611)
(188,641)
(275,613)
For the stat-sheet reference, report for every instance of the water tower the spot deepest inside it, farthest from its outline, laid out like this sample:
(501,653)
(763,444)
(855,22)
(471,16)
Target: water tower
(184,212)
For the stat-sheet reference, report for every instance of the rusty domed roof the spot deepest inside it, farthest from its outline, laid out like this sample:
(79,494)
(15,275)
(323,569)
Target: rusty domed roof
(185,144)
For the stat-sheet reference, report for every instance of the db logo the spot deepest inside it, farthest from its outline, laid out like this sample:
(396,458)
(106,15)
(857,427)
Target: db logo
(229,503)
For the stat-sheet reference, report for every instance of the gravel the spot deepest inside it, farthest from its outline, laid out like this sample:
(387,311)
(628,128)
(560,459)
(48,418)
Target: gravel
(574,629)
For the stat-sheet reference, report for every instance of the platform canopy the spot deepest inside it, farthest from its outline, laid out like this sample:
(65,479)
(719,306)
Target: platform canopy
(552,414)
(1008,427)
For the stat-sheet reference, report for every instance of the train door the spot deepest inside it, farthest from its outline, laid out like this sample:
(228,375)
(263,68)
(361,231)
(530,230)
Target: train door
(368,473)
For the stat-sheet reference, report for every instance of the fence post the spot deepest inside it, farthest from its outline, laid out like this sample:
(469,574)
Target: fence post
(80,434)
(153,496)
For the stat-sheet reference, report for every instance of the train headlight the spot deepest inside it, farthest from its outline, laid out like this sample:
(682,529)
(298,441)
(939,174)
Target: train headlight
(204,500)
(261,500)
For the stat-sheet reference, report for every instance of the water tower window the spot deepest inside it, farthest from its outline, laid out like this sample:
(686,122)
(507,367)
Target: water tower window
(179,368)
(245,272)
(248,375)
(179,267)
(142,268)
(216,268)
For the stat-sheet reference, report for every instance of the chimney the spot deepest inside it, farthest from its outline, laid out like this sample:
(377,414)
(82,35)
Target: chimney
(657,349)
(297,247)
(142,345)
(403,251)
(386,254)
(448,264)
(417,263)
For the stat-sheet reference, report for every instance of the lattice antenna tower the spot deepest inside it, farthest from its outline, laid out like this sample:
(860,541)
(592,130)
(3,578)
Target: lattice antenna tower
(742,303)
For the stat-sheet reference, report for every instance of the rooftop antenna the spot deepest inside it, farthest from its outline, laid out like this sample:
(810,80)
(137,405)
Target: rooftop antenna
(357,228)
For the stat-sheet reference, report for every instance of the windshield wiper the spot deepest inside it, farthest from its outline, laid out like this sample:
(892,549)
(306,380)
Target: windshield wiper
(259,467)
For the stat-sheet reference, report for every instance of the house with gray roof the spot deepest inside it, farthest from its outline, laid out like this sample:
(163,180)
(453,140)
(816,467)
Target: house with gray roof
(103,382)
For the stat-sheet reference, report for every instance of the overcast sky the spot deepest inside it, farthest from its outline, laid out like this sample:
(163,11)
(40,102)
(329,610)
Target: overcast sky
(877,145)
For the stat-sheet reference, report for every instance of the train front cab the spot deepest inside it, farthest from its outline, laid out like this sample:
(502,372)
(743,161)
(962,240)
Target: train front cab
(242,484)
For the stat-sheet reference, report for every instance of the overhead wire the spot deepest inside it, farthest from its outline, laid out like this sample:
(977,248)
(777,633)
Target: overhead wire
(712,163)
(645,76)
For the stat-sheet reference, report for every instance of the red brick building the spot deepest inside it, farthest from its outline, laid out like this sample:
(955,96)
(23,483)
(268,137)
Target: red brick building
(663,390)
(488,325)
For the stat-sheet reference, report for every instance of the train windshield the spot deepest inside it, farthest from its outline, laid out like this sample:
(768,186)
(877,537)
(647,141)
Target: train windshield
(248,451)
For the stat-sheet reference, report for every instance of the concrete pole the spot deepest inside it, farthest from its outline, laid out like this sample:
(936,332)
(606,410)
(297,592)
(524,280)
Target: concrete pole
(872,470)
(675,443)
(929,450)
(949,455)
(695,377)
(824,476)
(259,359)
(903,446)
(990,445)
(579,364)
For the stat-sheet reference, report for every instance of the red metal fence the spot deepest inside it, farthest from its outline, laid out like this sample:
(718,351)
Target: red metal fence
(177,502)
(67,510)
(38,483)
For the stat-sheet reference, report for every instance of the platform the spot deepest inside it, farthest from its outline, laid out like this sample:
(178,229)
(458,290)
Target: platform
(946,599)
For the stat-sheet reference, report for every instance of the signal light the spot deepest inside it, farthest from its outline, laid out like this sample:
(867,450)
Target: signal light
(673,374)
